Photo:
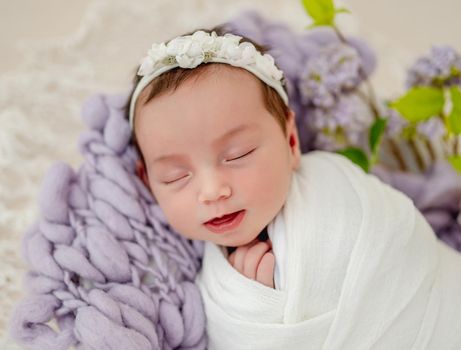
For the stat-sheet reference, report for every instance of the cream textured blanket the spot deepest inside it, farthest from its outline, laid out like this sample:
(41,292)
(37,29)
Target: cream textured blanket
(363,270)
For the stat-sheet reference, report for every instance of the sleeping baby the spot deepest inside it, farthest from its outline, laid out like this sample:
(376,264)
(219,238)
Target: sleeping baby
(301,251)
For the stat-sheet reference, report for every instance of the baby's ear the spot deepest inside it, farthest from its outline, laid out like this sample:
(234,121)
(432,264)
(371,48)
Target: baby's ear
(293,139)
(141,172)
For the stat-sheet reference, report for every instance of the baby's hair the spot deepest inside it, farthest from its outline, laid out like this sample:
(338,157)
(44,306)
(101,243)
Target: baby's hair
(172,79)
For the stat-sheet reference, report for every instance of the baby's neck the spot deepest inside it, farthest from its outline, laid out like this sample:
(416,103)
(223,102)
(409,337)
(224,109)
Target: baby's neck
(263,236)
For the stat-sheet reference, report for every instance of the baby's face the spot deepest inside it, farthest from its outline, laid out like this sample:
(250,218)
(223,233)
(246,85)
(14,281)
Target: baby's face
(211,148)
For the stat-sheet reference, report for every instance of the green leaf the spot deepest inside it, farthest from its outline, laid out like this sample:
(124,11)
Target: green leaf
(357,156)
(321,11)
(376,131)
(420,103)
(454,119)
(455,162)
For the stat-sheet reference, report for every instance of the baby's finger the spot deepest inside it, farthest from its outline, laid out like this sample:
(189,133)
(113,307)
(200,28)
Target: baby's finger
(265,273)
(253,258)
(231,258)
(240,253)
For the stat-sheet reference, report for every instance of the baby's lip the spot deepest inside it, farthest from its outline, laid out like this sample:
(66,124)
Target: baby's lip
(218,217)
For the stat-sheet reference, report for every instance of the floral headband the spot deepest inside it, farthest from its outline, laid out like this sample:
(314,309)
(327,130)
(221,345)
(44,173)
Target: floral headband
(201,47)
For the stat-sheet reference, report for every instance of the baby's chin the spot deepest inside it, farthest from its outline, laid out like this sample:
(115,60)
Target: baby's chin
(234,241)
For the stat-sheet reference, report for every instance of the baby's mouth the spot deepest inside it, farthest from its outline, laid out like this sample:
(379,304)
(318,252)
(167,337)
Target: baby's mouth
(222,219)
(226,222)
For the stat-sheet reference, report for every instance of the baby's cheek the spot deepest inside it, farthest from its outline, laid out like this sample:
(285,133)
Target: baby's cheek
(268,185)
(174,210)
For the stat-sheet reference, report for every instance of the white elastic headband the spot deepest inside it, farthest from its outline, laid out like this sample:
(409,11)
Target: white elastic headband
(201,47)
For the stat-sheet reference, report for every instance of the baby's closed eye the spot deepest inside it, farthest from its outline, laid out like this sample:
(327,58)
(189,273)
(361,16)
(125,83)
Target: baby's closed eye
(241,156)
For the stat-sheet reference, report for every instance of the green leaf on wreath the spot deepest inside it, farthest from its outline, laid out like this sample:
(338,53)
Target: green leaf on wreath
(420,103)
(454,119)
(376,131)
(357,156)
(455,162)
(321,11)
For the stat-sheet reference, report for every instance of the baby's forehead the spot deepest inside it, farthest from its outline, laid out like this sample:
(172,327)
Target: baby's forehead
(218,71)
(227,71)
(231,84)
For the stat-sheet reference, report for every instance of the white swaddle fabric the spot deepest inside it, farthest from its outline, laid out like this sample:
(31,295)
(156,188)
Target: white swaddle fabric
(276,233)
(362,270)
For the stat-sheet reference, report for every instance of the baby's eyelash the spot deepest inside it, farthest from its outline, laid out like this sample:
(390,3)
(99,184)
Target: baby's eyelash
(242,156)
(173,181)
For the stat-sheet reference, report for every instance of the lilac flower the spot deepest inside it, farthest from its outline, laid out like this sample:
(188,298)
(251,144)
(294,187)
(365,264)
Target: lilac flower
(332,71)
(321,37)
(432,128)
(341,125)
(441,67)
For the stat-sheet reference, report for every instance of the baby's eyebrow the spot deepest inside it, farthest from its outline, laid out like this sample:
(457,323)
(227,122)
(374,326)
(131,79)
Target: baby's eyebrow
(227,135)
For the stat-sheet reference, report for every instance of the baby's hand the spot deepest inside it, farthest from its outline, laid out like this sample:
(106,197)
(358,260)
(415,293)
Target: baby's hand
(255,260)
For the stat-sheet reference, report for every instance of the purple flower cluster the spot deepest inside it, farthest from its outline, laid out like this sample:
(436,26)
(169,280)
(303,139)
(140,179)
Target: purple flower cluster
(327,84)
(332,71)
(442,67)
(342,124)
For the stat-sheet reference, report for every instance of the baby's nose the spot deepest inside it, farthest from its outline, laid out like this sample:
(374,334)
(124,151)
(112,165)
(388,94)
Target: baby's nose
(214,189)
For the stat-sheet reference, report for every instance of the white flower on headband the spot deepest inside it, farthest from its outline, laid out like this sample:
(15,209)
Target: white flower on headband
(191,50)
(266,64)
(156,54)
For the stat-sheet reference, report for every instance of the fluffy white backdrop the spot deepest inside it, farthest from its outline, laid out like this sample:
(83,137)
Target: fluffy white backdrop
(40,102)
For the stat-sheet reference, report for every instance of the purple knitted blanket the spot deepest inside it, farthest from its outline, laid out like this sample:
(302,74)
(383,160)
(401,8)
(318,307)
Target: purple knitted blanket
(105,265)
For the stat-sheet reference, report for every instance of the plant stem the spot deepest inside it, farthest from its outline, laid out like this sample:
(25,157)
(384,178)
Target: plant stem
(395,150)
(430,149)
(419,159)
(340,35)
